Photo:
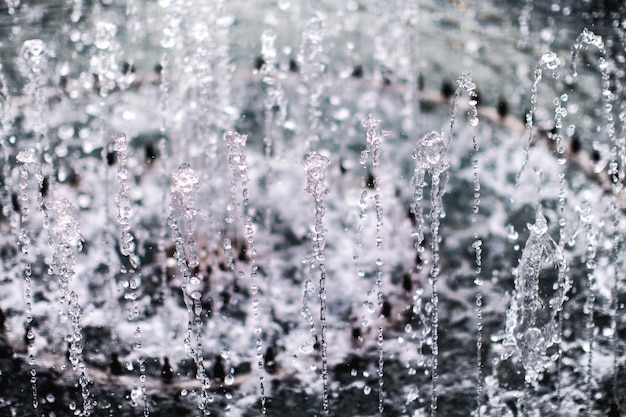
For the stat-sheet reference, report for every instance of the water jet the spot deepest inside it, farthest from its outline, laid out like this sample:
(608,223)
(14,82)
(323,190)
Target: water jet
(283,208)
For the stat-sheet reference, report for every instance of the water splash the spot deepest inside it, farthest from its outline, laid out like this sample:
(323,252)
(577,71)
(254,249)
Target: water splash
(532,325)
(315,166)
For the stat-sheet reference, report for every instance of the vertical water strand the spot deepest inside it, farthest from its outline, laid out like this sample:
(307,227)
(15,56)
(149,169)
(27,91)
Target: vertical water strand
(478,280)
(275,103)
(67,238)
(33,64)
(549,61)
(127,248)
(77,10)
(313,61)
(431,155)
(6,124)
(104,65)
(184,191)
(412,15)
(586,217)
(238,165)
(122,200)
(138,347)
(133,24)
(374,140)
(25,158)
(273,90)
(315,166)
(524,29)
(616,173)
(464,82)
(363,202)
(274,115)
(559,113)
(555,135)
(223,66)
(164,95)
(13,6)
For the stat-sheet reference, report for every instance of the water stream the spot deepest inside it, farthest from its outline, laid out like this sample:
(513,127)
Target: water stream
(288,208)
